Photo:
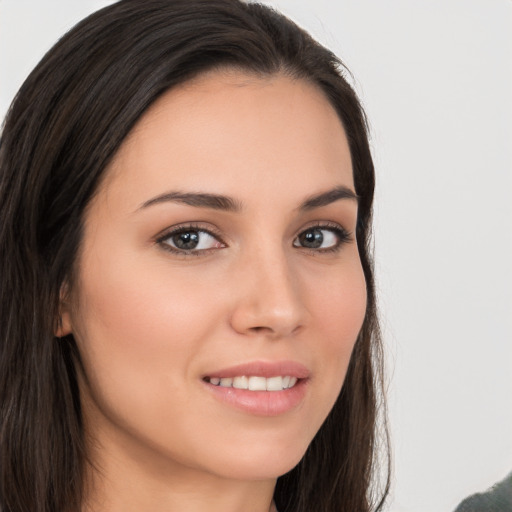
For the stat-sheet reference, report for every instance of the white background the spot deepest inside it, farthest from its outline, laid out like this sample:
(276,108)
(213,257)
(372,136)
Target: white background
(436,79)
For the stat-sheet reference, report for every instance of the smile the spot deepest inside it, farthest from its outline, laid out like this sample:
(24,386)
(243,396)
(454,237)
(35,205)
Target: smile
(261,388)
(254,383)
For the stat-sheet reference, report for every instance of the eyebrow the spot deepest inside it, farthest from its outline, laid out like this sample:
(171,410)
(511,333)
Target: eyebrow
(225,203)
(197,199)
(326,198)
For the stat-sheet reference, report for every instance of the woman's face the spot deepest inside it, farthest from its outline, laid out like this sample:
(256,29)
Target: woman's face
(219,254)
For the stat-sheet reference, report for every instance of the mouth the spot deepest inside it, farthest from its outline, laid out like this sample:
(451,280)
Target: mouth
(254,382)
(260,388)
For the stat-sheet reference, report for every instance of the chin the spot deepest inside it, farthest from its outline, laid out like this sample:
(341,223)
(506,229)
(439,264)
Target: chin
(259,469)
(260,461)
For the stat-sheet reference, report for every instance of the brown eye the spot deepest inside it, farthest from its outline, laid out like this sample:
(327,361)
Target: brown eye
(187,240)
(312,238)
(191,240)
(321,238)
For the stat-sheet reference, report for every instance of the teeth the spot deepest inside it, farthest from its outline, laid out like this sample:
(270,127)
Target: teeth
(241,382)
(255,383)
(275,384)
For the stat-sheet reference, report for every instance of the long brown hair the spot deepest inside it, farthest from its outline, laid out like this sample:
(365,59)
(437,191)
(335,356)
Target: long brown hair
(64,126)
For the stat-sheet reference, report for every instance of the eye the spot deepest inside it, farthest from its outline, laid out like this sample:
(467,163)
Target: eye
(189,240)
(322,238)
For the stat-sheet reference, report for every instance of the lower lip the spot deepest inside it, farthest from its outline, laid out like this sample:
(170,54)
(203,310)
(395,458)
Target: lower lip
(261,403)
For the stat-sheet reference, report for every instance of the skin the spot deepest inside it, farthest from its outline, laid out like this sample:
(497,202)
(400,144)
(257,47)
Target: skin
(150,323)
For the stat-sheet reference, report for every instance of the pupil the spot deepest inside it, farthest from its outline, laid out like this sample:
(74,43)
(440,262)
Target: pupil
(312,239)
(186,240)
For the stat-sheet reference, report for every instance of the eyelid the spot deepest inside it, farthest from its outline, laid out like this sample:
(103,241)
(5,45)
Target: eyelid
(160,238)
(183,226)
(343,234)
(335,226)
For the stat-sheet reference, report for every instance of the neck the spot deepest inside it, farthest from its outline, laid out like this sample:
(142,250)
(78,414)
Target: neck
(125,481)
(173,498)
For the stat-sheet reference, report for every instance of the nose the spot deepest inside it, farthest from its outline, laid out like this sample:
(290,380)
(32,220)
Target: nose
(268,299)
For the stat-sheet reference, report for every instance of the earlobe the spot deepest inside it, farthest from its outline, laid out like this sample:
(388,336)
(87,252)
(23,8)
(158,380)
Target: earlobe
(63,325)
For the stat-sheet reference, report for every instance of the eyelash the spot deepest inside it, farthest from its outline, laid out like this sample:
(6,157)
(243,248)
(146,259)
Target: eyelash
(341,233)
(185,229)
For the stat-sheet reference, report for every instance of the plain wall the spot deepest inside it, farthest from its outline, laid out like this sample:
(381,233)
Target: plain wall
(436,79)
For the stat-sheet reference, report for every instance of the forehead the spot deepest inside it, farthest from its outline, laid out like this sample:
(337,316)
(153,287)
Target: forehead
(228,131)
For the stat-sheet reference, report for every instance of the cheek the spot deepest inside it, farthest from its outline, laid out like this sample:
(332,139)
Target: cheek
(138,330)
(340,308)
(140,312)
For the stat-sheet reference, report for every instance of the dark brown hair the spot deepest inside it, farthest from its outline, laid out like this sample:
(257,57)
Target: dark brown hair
(63,128)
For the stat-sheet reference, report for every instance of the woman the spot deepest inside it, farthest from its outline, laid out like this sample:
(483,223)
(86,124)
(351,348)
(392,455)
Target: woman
(187,307)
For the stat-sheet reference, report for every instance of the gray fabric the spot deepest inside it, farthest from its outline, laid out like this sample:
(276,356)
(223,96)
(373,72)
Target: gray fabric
(496,499)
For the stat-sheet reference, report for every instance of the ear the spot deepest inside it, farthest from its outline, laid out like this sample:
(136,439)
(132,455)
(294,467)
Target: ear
(64,325)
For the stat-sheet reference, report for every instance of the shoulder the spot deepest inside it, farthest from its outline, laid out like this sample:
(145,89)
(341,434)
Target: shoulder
(496,499)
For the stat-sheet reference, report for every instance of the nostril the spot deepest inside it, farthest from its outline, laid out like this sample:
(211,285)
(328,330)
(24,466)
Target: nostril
(261,329)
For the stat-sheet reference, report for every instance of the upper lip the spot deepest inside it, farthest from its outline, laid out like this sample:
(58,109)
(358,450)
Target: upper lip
(263,369)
